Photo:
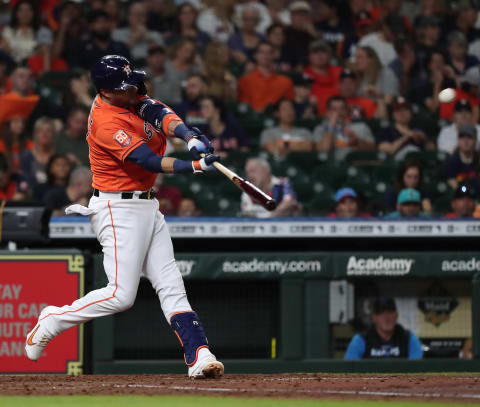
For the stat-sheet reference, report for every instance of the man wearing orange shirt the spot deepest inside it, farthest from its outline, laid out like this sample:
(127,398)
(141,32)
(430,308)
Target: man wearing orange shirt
(263,86)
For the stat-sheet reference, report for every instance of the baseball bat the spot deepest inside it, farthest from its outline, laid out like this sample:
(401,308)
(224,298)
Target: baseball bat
(256,193)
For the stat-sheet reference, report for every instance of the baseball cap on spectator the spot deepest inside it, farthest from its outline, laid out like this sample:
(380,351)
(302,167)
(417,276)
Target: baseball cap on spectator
(343,193)
(457,37)
(467,130)
(462,105)
(408,195)
(400,102)
(363,18)
(155,48)
(348,73)
(300,5)
(382,304)
(319,45)
(299,79)
(465,190)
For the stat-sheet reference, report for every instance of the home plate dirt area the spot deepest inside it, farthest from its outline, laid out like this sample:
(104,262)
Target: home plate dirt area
(446,387)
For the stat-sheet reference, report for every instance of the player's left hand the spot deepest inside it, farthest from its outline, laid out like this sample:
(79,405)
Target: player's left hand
(199,144)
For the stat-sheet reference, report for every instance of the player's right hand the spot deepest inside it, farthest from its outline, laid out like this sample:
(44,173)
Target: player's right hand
(198,144)
(205,163)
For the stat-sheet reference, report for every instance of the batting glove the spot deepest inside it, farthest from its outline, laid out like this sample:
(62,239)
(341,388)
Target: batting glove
(198,144)
(205,164)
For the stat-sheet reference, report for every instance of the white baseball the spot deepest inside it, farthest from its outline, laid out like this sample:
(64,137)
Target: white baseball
(447,95)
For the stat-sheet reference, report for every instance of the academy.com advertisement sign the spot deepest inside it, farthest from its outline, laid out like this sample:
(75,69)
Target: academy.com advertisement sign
(28,283)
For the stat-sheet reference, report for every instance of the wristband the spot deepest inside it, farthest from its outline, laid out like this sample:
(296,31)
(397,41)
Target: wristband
(182,166)
(183,132)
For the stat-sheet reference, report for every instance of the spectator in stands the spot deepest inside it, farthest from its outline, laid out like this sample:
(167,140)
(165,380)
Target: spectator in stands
(71,141)
(265,20)
(159,15)
(168,196)
(463,20)
(221,129)
(23,36)
(258,172)
(263,86)
(182,63)
(14,141)
(458,58)
(71,26)
(6,66)
(405,67)
(385,338)
(375,81)
(78,191)
(285,137)
(160,80)
(427,39)
(409,205)
(216,20)
(275,36)
(220,81)
(463,164)
(136,36)
(299,33)
(360,107)
(304,102)
(186,27)
(189,110)
(243,42)
(326,76)
(12,188)
(278,13)
(463,203)
(77,92)
(400,137)
(332,23)
(438,76)
(58,170)
(99,42)
(339,134)
(409,175)
(467,350)
(33,163)
(447,140)
(347,205)
(392,29)
(188,208)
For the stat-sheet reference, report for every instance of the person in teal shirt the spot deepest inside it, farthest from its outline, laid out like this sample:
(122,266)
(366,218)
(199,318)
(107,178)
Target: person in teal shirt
(409,205)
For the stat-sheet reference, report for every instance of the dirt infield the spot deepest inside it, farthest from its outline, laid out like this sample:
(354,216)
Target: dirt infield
(459,388)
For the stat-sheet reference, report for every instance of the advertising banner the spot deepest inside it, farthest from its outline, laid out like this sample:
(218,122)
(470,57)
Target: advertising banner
(28,283)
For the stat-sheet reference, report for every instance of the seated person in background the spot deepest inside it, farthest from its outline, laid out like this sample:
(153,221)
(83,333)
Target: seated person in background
(339,134)
(448,137)
(408,205)
(304,102)
(409,175)
(168,196)
(12,188)
(258,172)
(194,88)
(284,137)
(78,191)
(58,171)
(71,141)
(400,137)
(14,140)
(385,338)
(222,130)
(463,164)
(188,208)
(346,205)
(263,86)
(463,203)
(467,351)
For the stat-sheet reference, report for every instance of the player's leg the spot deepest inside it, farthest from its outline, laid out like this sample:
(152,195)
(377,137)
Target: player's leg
(123,228)
(162,271)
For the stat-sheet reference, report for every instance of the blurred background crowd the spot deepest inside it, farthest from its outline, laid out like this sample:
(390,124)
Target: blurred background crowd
(331,106)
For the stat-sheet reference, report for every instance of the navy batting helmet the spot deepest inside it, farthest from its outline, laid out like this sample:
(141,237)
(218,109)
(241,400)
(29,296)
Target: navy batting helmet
(114,72)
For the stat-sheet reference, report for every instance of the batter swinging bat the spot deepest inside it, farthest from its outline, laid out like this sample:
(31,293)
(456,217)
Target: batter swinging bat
(256,193)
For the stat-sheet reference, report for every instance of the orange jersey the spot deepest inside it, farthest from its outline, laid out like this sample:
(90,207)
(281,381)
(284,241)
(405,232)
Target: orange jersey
(113,133)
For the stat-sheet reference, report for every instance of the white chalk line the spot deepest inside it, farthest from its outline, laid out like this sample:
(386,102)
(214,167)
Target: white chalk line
(332,392)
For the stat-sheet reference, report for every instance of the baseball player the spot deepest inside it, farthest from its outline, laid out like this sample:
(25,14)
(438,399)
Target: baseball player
(127,137)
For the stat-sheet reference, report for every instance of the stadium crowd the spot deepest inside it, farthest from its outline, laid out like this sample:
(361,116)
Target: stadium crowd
(331,106)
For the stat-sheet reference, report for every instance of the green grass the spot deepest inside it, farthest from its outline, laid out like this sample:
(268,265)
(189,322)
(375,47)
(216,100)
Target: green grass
(197,401)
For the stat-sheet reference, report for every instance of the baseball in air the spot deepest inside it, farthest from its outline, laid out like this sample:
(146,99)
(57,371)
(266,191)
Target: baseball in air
(447,95)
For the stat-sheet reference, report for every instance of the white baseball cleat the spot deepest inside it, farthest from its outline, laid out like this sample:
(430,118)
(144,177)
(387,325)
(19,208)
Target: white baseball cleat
(206,367)
(38,337)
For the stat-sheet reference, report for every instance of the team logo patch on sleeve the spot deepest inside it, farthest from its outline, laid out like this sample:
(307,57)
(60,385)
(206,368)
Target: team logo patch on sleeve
(123,138)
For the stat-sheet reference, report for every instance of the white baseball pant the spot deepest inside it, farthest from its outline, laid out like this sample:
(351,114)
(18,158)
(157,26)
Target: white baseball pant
(135,240)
